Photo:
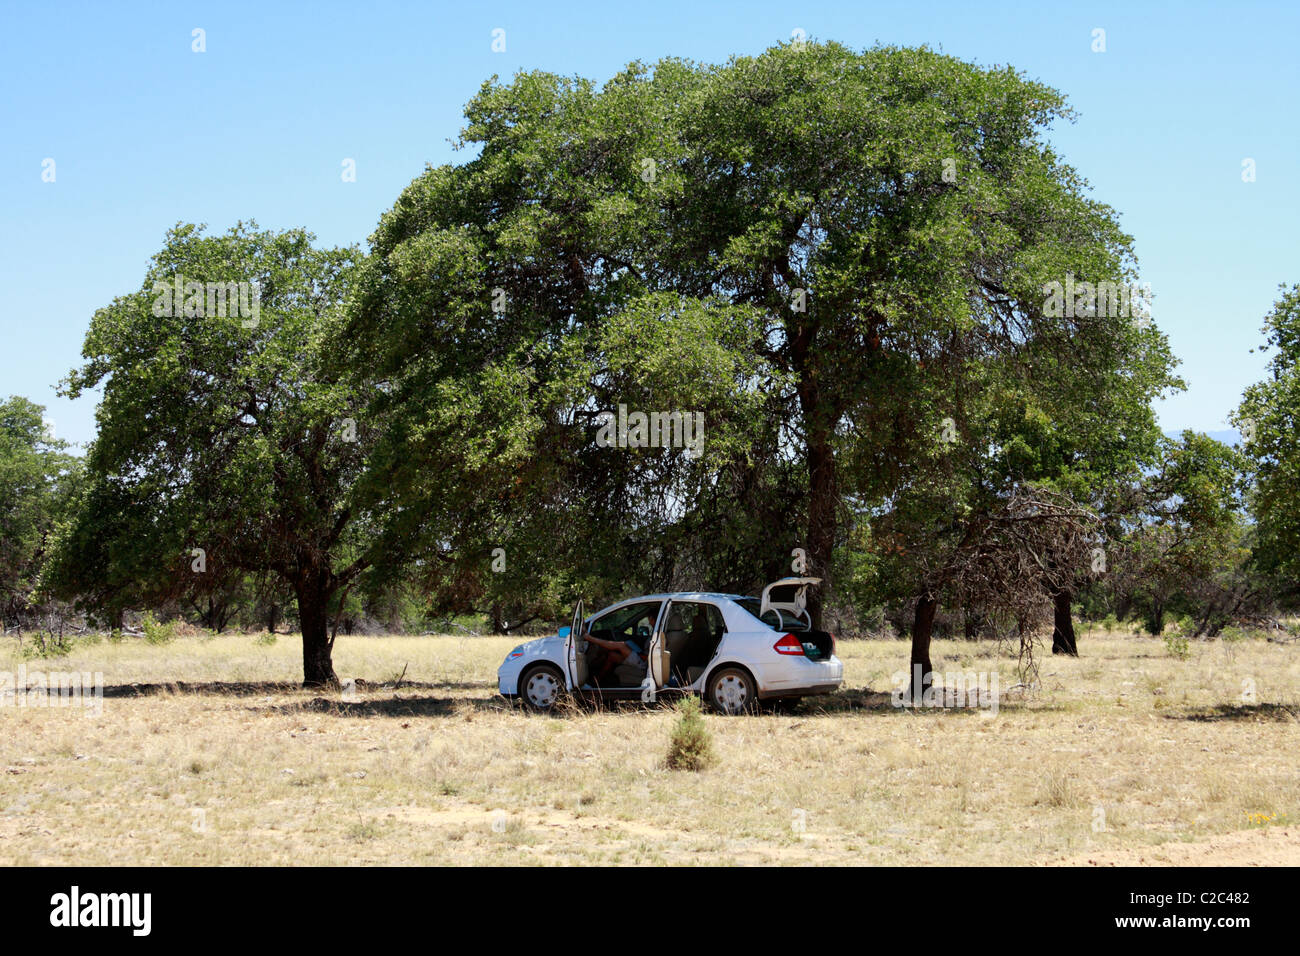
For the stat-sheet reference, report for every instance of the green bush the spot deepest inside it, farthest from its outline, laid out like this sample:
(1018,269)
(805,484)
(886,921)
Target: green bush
(265,639)
(156,632)
(48,644)
(690,747)
(1178,647)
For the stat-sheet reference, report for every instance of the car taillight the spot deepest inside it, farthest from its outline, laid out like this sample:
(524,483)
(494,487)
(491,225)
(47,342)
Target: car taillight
(788,644)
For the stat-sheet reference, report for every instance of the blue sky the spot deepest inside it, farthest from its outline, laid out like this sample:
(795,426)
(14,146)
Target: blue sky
(145,132)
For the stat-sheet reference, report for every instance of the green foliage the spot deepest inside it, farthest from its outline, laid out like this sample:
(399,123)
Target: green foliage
(157,632)
(1267,419)
(772,242)
(1234,635)
(834,257)
(46,644)
(38,480)
(1188,552)
(226,444)
(689,746)
(1177,647)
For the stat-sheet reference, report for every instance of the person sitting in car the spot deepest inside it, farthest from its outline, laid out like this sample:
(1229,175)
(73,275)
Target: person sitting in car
(626,658)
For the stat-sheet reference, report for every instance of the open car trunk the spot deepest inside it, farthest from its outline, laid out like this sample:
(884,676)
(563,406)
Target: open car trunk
(784,607)
(817,645)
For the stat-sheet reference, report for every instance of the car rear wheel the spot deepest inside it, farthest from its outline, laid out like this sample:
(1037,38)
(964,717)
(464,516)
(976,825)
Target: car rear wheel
(541,687)
(731,691)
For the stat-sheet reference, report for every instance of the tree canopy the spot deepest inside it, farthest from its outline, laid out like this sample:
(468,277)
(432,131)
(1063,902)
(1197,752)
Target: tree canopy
(874,235)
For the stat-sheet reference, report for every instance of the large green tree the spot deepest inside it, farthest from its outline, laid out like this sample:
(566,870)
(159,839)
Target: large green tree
(228,444)
(882,223)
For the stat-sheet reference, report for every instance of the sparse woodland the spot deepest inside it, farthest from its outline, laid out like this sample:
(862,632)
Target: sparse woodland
(835,260)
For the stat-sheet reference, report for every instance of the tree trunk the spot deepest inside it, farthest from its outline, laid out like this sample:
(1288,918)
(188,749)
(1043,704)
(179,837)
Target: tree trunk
(922,627)
(822,510)
(1063,641)
(1156,620)
(317,648)
(1203,624)
(272,618)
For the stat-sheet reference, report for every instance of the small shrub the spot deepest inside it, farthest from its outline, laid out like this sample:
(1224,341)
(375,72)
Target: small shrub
(1178,647)
(48,644)
(265,639)
(689,747)
(364,830)
(1231,635)
(157,632)
(1058,789)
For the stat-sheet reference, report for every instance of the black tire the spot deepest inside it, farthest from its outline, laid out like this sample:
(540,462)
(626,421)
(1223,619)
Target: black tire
(731,691)
(541,687)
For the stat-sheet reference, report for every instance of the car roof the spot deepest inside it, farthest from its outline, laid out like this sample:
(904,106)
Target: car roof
(682,595)
(688,594)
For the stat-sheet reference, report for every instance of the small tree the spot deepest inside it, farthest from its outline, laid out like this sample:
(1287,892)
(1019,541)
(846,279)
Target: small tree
(38,480)
(689,746)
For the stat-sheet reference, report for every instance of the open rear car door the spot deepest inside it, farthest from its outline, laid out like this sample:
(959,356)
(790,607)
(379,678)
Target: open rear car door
(576,649)
(657,654)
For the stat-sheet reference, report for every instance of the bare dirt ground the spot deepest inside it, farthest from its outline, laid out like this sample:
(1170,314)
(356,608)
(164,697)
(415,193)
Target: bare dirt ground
(1265,847)
(206,752)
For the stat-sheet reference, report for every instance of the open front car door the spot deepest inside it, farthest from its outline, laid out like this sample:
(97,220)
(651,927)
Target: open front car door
(576,649)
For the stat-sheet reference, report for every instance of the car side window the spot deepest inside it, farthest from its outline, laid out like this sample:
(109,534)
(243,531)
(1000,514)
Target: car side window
(700,620)
(625,623)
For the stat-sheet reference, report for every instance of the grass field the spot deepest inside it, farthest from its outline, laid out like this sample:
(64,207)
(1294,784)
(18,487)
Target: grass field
(205,752)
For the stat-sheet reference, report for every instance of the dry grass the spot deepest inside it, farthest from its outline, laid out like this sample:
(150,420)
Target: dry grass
(1120,750)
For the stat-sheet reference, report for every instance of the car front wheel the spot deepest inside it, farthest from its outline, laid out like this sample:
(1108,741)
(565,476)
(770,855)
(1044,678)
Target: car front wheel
(731,691)
(540,687)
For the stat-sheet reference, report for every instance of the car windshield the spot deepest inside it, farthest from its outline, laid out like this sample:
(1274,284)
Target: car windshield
(773,617)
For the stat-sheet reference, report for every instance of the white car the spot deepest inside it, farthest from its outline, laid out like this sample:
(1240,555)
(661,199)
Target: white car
(732,650)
